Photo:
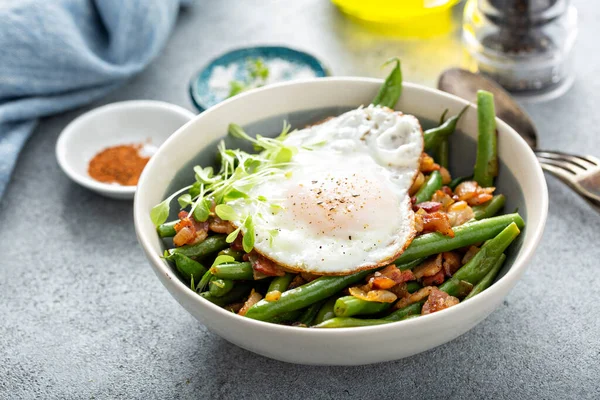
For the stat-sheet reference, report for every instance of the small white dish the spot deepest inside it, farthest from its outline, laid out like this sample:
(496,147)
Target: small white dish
(127,122)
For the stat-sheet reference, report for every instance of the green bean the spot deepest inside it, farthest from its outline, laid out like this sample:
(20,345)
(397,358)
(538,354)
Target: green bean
(281,283)
(488,279)
(486,164)
(326,311)
(234,270)
(303,296)
(457,288)
(484,260)
(236,294)
(443,153)
(457,181)
(464,235)
(413,310)
(310,313)
(204,281)
(211,244)
(167,229)
(349,322)
(188,267)
(431,185)
(410,264)
(220,287)
(237,255)
(413,286)
(349,306)
(286,317)
(490,208)
(434,136)
(390,91)
(402,313)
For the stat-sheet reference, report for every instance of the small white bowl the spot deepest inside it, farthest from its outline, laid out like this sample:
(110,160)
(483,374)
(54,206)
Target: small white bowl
(263,110)
(127,122)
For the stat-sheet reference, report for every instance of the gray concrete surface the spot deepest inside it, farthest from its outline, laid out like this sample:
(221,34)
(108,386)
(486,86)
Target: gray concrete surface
(82,315)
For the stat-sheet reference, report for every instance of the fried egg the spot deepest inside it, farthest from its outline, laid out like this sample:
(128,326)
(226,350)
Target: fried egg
(342,204)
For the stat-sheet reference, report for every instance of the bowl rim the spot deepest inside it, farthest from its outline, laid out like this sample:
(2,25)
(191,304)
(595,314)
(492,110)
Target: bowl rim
(521,261)
(67,134)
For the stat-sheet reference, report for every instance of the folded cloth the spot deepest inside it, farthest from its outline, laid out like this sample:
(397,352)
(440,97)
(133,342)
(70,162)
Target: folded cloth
(60,54)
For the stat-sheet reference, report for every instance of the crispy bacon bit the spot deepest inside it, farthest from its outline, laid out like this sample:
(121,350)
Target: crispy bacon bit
(382,282)
(416,184)
(185,235)
(473,194)
(437,222)
(427,164)
(217,225)
(443,197)
(297,281)
(446,178)
(437,301)
(429,267)
(237,244)
(308,277)
(189,231)
(470,254)
(451,263)
(436,279)
(254,298)
(263,266)
(400,290)
(394,273)
(417,296)
(428,206)
(419,221)
(460,213)
(273,295)
(380,296)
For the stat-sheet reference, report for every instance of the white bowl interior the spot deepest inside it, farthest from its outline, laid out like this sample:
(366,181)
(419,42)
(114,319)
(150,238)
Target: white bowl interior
(264,111)
(127,122)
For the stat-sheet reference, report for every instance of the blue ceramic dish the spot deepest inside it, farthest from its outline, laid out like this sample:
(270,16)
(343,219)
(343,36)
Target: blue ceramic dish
(211,85)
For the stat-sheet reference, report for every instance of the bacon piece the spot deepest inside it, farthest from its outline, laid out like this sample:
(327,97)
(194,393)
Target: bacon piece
(264,266)
(417,296)
(436,279)
(381,296)
(254,298)
(437,222)
(237,244)
(429,267)
(427,164)
(217,225)
(297,281)
(459,213)
(443,197)
(451,263)
(308,277)
(428,206)
(416,184)
(437,301)
(189,231)
(473,194)
(394,273)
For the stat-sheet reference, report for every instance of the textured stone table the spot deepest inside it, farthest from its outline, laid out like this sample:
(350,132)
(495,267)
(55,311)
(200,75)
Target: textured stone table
(83,316)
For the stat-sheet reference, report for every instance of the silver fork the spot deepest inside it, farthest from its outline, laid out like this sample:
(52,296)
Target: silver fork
(579,172)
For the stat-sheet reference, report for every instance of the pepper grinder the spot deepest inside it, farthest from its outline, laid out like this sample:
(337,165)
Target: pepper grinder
(524,45)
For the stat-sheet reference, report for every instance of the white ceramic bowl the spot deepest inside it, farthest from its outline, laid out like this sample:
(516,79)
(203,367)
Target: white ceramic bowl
(138,121)
(521,180)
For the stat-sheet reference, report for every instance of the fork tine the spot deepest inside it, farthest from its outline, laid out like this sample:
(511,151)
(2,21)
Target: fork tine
(574,161)
(558,168)
(583,162)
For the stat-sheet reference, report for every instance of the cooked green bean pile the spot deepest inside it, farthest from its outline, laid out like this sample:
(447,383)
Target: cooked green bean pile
(457,253)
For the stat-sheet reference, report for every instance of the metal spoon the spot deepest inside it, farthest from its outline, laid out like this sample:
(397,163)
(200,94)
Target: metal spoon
(581,173)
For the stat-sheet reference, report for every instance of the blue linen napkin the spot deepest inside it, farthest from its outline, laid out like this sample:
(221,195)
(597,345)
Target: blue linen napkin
(60,54)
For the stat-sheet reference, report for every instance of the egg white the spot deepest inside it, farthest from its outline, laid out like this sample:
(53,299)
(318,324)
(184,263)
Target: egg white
(343,205)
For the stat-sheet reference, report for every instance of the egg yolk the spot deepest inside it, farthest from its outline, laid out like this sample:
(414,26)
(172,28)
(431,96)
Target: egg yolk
(342,203)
